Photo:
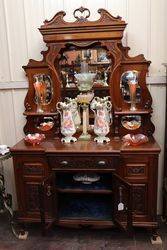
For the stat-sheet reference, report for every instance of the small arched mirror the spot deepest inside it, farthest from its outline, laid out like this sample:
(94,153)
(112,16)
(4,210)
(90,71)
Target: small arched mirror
(130,89)
(44,123)
(131,122)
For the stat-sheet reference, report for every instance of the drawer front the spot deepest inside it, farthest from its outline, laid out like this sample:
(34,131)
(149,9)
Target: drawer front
(136,170)
(135,167)
(86,162)
(33,168)
(29,165)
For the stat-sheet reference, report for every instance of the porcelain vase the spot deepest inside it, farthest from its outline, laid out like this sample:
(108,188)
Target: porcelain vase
(102,119)
(68,128)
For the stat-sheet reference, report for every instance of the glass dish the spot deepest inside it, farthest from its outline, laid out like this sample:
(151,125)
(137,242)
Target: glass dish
(34,139)
(134,140)
(86,178)
(45,126)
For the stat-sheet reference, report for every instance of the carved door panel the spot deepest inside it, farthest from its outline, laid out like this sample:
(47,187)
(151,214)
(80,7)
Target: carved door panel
(136,170)
(29,173)
(122,205)
(31,196)
(47,202)
(140,199)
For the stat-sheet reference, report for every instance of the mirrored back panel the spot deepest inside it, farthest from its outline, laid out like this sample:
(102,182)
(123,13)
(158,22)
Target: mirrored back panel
(78,60)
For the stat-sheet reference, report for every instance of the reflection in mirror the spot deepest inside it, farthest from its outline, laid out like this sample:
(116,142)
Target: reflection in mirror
(43,91)
(131,91)
(45,123)
(95,61)
(131,122)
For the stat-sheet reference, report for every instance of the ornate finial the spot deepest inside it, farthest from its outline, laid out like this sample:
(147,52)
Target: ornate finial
(81,11)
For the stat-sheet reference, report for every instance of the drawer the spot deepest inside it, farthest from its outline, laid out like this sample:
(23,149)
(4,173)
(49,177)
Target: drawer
(32,165)
(86,162)
(135,167)
(33,168)
(136,170)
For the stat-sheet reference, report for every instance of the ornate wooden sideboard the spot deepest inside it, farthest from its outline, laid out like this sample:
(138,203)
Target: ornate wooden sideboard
(126,194)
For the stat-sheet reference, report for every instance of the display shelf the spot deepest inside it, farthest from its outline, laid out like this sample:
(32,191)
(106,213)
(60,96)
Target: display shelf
(29,113)
(90,64)
(97,87)
(84,191)
(66,184)
(130,112)
(85,207)
(81,223)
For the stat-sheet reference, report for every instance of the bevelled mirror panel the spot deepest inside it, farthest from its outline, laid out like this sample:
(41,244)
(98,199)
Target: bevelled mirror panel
(130,89)
(43,91)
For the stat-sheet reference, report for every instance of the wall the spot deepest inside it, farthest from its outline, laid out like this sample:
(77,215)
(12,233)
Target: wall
(21,40)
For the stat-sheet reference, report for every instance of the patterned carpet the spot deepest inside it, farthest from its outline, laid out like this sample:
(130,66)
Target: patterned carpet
(73,239)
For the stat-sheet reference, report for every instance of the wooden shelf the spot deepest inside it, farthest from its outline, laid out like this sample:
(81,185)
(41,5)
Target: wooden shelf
(136,112)
(94,88)
(27,113)
(84,191)
(90,64)
(85,222)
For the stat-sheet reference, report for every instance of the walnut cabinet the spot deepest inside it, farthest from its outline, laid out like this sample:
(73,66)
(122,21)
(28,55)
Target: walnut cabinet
(125,194)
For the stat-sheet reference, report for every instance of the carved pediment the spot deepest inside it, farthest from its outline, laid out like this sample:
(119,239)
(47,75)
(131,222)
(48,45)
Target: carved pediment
(58,29)
(105,18)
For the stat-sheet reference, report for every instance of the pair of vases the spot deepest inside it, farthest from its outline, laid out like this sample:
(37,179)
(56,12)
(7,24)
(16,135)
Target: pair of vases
(70,118)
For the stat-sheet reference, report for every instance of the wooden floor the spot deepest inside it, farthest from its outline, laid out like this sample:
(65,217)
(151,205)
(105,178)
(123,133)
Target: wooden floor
(70,239)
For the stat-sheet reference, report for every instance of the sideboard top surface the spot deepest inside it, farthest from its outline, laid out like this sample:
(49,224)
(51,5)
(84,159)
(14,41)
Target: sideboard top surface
(85,147)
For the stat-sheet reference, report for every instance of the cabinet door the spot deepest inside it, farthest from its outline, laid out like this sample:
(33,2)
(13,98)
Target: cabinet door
(30,170)
(141,171)
(122,205)
(47,202)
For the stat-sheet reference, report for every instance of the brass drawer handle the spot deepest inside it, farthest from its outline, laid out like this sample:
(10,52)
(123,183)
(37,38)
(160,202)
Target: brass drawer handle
(64,163)
(102,163)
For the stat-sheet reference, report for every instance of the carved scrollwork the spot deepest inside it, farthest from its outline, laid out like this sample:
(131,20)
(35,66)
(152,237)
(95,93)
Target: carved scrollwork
(136,170)
(106,16)
(28,106)
(82,10)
